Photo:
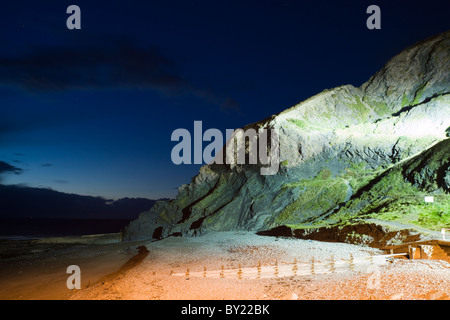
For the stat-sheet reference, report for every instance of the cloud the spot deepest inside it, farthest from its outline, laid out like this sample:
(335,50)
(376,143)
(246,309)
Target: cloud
(119,63)
(46,165)
(60,181)
(230,105)
(8,168)
(224,102)
(111,63)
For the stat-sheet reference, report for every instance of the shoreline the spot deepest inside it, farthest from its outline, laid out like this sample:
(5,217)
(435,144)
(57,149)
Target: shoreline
(36,269)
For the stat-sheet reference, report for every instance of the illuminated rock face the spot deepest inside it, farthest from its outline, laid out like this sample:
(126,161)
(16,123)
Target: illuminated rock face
(446,179)
(334,147)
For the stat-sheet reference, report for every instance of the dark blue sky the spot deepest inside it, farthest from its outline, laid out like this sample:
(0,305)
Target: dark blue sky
(91,111)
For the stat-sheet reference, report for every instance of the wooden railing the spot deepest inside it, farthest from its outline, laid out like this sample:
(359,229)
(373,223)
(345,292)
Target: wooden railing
(294,269)
(443,233)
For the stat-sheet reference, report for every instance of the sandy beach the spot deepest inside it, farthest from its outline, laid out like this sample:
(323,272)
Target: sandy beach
(30,270)
(146,271)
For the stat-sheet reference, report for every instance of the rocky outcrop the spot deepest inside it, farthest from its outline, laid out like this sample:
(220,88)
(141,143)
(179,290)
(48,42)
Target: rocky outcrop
(332,146)
(399,191)
(446,179)
(413,77)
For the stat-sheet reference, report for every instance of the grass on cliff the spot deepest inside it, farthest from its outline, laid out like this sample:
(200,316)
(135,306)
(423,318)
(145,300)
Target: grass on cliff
(384,196)
(299,123)
(359,175)
(305,125)
(390,197)
(317,195)
(362,111)
(322,194)
(433,216)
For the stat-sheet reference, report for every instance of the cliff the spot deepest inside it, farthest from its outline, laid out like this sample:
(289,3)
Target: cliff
(345,153)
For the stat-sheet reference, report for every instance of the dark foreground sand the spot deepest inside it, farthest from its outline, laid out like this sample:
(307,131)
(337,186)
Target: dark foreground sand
(142,270)
(30,270)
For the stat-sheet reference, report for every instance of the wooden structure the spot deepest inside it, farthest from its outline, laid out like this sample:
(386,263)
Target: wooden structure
(443,230)
(431,249)
(313,267)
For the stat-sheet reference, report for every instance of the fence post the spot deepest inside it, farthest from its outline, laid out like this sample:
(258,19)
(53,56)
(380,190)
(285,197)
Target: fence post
(332,268)
(352,263)
(276,268)
(413,252)
(295,267)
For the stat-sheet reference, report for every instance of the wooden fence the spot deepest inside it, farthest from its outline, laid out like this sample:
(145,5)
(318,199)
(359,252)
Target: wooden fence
(294,269)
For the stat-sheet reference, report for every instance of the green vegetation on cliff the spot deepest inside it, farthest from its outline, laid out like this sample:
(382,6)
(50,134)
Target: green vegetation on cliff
(398,193)
(320,194)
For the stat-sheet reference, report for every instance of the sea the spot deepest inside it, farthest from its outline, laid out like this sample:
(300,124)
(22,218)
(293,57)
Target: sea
(24,229)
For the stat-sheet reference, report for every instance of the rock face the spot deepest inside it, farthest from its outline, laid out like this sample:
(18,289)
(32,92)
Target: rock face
(333,146)
(446,180)
(397,193)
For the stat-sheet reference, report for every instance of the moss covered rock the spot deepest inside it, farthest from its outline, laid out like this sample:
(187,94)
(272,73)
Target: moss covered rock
(346,152)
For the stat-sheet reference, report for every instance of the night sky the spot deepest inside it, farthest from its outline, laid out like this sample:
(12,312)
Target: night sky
(92,111)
